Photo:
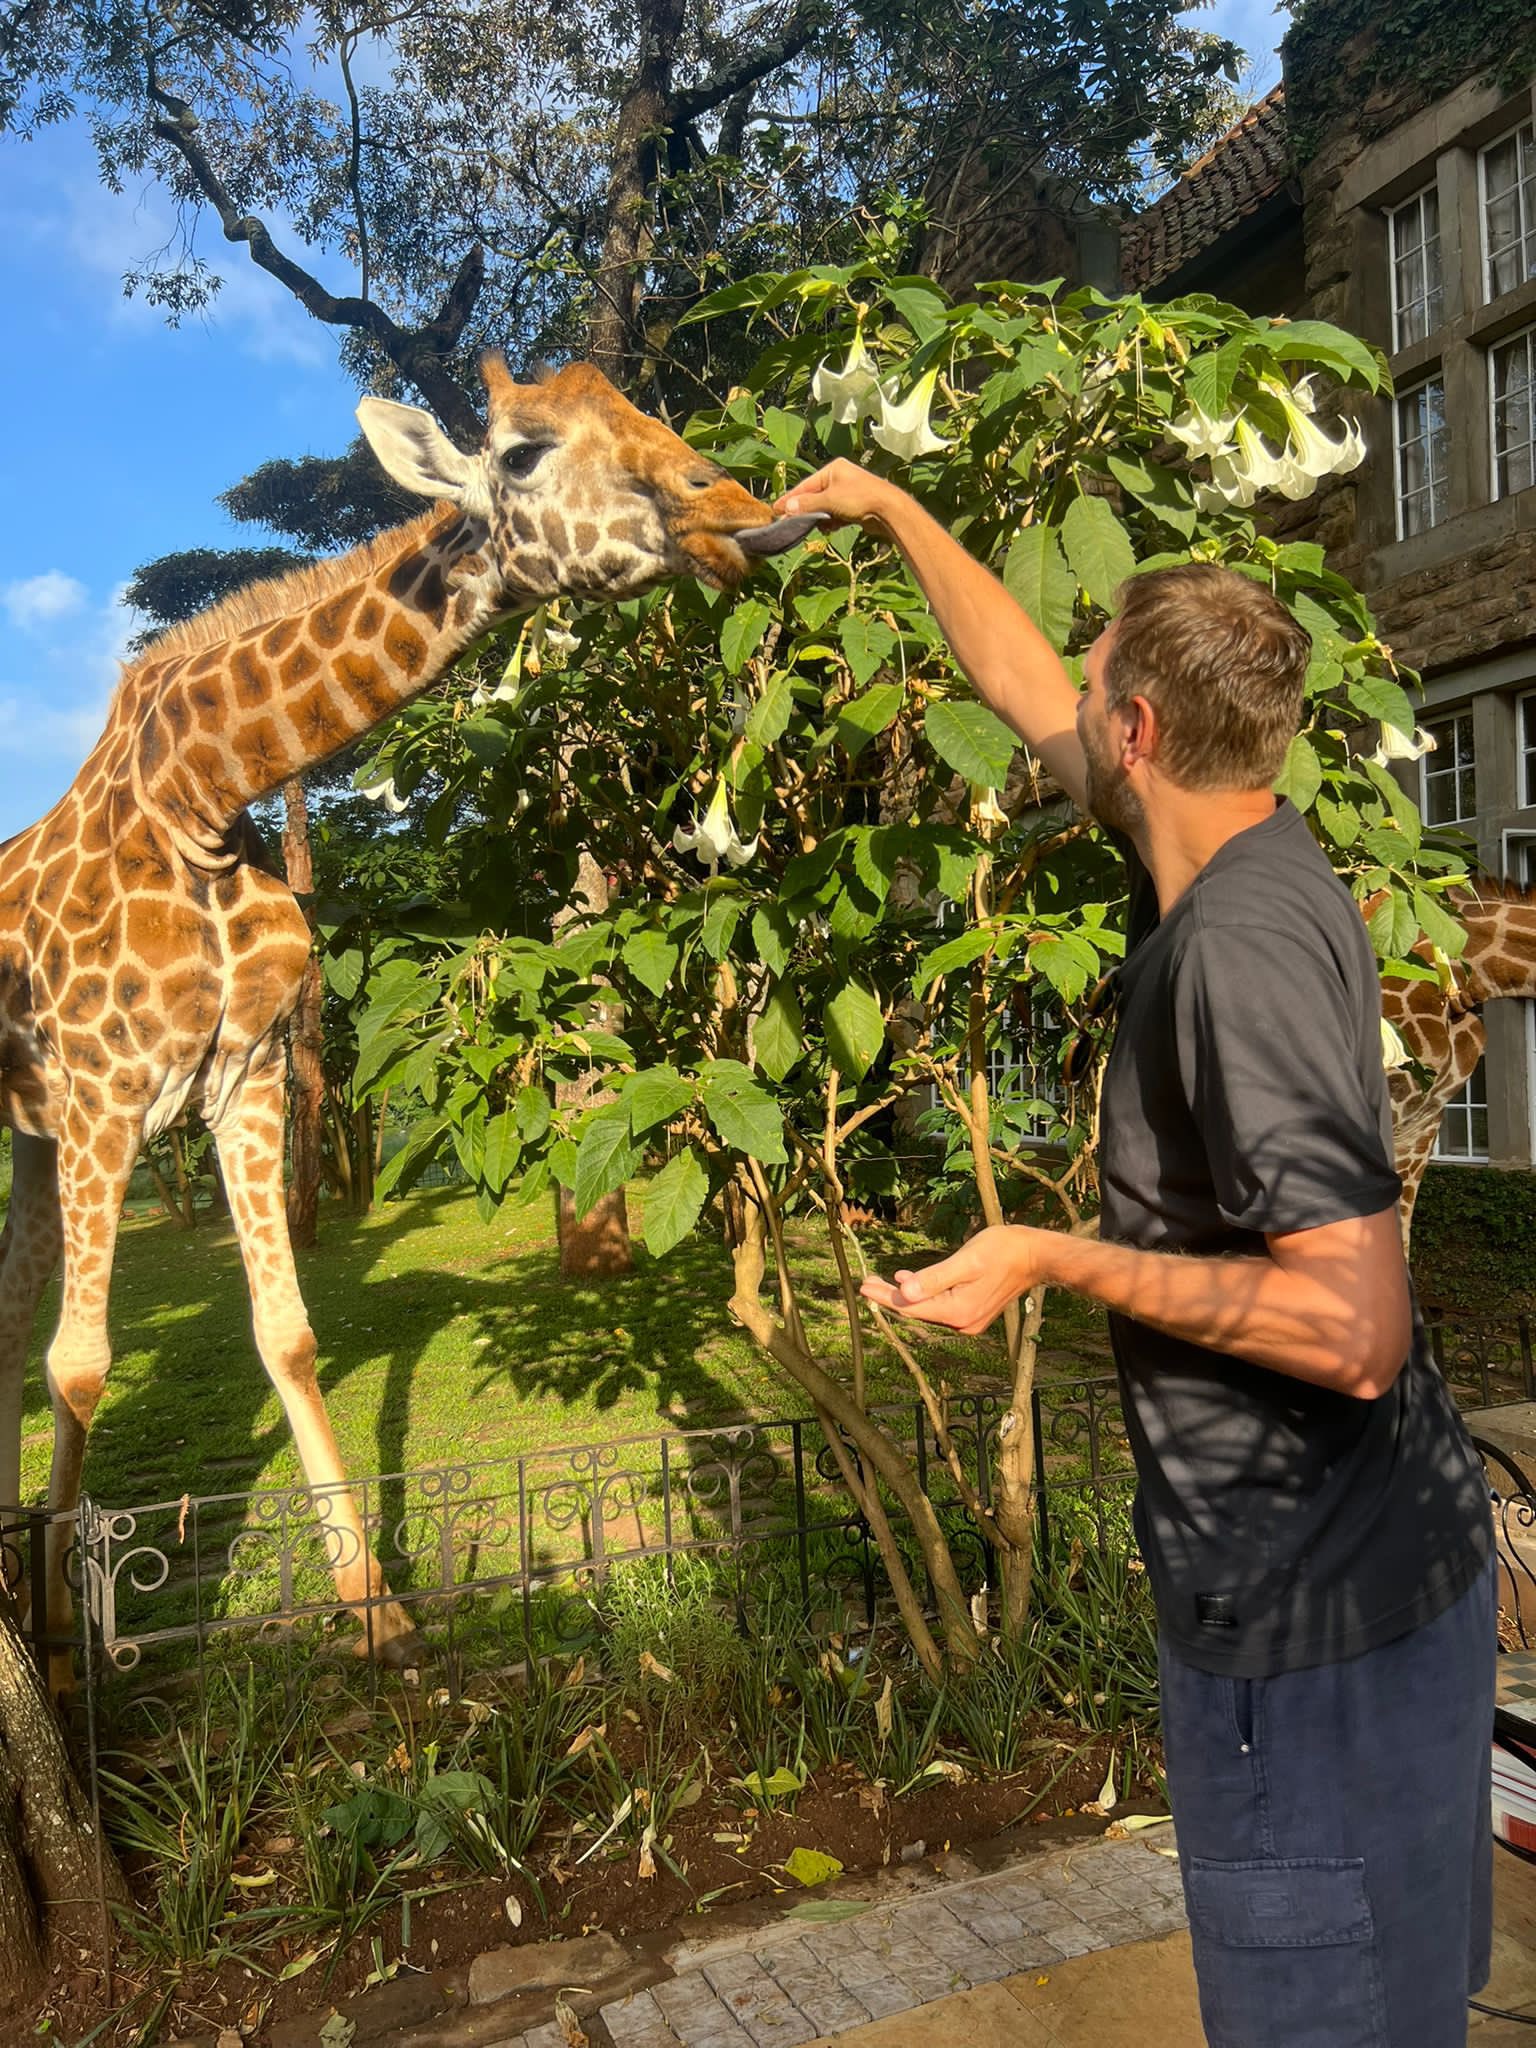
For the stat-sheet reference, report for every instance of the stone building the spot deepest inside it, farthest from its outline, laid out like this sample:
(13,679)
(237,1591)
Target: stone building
(1389,184)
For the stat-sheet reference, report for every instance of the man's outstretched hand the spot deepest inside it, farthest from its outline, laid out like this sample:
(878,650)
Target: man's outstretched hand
(850,496)
(969,1290)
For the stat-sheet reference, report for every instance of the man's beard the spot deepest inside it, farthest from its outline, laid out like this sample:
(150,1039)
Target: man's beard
(1111,800)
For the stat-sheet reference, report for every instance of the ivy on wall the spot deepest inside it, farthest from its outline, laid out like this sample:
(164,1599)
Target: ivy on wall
(1422,48)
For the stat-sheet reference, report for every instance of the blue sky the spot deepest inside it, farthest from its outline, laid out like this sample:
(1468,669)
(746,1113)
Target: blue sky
(121,431)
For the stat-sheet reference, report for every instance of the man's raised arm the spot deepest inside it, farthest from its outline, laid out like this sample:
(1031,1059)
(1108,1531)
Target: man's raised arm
(1013,667)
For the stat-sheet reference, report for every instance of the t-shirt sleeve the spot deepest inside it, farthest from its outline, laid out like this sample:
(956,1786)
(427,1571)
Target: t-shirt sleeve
(1271,1069)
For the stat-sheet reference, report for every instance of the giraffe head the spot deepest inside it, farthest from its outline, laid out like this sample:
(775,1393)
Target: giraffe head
(579,492)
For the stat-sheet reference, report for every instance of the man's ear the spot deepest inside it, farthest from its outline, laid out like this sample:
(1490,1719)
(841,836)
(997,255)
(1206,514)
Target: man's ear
(413,448)
(1140,730)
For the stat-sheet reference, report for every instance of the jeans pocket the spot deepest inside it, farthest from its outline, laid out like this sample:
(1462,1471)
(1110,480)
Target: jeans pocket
(1285,1952)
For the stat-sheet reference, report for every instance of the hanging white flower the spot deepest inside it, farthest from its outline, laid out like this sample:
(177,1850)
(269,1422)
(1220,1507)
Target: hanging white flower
(1306,443)
(1202,435)
(851,391)
(904,429)
(987,814)
(1393,1051)
(714,837)
(382,791)
(1397,746)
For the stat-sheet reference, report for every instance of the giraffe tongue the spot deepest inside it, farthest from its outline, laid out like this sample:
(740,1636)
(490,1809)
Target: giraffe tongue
(782,534)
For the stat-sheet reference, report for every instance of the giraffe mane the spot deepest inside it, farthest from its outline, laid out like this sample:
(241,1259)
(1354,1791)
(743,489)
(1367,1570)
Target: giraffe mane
(271,598)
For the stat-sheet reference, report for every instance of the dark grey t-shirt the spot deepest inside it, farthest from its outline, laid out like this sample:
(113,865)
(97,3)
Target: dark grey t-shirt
(1283,1524)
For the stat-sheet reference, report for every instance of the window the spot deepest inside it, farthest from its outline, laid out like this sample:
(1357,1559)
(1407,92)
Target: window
(1512,368)
(1525,727)
(1509,210)
(1421,458)
(1418,301)
(1464,1126)
(1449,792)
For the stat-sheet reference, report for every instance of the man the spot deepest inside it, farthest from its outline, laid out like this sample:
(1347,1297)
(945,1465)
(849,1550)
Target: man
(1313,1518)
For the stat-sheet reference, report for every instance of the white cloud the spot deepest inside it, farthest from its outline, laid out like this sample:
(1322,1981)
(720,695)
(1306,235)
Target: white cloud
(51,717)
(37,601)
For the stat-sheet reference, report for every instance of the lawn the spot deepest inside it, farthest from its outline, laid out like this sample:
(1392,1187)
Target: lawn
(441,1337)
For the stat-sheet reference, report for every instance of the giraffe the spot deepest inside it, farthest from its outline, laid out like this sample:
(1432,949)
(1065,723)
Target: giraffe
(1443,1030)
(149,959)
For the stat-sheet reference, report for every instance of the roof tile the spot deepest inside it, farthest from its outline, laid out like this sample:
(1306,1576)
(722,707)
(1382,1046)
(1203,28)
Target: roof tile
(1234,177)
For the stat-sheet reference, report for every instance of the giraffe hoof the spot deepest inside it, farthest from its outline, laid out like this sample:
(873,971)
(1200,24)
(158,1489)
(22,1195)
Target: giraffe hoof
(408,1652)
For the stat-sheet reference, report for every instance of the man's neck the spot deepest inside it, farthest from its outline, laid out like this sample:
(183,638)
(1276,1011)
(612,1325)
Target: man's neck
(1184,828)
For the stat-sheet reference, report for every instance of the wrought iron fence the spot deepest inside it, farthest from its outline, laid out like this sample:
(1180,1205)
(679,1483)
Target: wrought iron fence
(1488,1362)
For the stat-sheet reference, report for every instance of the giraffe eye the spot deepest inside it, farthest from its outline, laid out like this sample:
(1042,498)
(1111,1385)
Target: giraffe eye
(524,457)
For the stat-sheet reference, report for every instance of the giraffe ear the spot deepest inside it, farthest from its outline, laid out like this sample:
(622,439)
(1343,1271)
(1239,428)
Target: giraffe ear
(414,449)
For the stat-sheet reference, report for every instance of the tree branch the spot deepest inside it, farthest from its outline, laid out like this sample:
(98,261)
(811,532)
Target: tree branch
(745,72)
(417,354)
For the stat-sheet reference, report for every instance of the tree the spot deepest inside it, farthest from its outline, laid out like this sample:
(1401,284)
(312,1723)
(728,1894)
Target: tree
(818,911)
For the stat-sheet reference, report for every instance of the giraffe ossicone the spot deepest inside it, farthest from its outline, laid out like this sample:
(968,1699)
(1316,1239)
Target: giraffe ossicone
(149,959)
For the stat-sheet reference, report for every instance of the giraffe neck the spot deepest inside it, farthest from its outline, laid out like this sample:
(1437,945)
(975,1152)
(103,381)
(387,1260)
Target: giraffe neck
(221,717)
(1500,959)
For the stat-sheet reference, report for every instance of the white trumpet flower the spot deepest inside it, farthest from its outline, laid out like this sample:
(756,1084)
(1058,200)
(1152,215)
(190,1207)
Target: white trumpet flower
(904,429)
(1397,746)
(1202,435)
(1393,1051)
(382,791)
(1306,443)
(851,391)
(714,837)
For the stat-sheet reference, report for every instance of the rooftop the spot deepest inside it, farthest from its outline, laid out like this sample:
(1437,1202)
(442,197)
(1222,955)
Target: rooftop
(1243,168)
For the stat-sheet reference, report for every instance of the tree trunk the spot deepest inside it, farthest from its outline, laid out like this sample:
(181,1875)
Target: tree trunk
(185,1193)
(615,327)
(306,1073)
(166,1193)
(52,1866)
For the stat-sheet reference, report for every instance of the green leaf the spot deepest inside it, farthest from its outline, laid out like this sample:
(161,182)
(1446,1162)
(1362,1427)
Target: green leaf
(858,722)
(1067,961)
(1212,375)
(651,958)
(742,633)
(1315,341)
(413,1158)
(742,1111)
(812,1866)
(1393,926)
(343,972)
(827,1912)
(784,430)
(1302,776)
(972,740)
(773,935)
(1099,549)
(1439,927)
(855,1029)
(771,713)
(921,305)
(503,1147)
(959,951)
(722,913)
(654,1095)
(606,1157)
(673,1202)
(778,1785)
(486,738)
(778,1032)
(532,1113)
(866,642)
(1037,577)
(1163,491)
(1379,697)
(815,607)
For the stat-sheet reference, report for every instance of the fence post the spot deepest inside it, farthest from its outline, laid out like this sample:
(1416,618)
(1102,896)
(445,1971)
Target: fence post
(1037,1422)
(1527,1368)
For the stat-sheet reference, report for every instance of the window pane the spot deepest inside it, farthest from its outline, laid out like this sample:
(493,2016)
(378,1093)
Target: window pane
(1422,457)
(1514,413)
(1509,217)
(1416,277)
(1528,768)
(1449,772)
(1464,1126)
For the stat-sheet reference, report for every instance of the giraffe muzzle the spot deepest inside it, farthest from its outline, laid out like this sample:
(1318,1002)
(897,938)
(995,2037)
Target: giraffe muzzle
(782,534)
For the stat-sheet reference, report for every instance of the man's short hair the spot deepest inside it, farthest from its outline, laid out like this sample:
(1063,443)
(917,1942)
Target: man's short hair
(1221,661)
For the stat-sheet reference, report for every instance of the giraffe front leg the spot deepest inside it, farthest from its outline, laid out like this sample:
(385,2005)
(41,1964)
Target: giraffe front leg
(29,1251)
(249,1133)
(95,1157)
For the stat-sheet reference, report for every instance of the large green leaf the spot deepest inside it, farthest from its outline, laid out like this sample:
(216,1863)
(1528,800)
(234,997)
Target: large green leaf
(770,714)
(778,1033)
(743,632)
(606,1157)
(502,1149)
(532,1112)
(866,642)
(972,740)
(1302,776)
(858,722)
(742,1111)
(654,1095)
(855,1029)
(773,935)
(1037,576)
(1439,927)
(1379,697)
(1067,961)
(1315,341)
(651,958)
(1098,547)
(415,1155)
(673,1202)
(959,951)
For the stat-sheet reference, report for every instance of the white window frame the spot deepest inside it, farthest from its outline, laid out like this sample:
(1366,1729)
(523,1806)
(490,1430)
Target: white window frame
(1394,214)
(1465,1102)
(1527,786)
(1437,758)
(1439,484)
(1526,229)
(1528,336)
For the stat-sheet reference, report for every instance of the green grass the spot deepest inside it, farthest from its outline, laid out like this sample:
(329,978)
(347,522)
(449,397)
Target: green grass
(441,1337)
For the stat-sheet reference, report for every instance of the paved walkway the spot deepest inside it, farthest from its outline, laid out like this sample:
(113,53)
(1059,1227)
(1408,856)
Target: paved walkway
(1078,1948)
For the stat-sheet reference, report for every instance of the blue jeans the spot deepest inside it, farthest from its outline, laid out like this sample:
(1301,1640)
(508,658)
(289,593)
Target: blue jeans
(1335,1838)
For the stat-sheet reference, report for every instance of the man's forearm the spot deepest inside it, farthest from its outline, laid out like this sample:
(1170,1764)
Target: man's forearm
(1012,666)
(1314,1325)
